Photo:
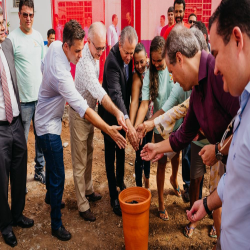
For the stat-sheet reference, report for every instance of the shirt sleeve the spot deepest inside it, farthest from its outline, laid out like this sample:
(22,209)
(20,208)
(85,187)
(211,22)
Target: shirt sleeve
(87,74)
(109,36)
(189,129)
(145,88)
(113,78)
(66,88)
(220,187)
(177,94)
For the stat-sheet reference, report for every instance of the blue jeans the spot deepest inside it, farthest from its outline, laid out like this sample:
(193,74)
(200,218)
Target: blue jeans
(28,110)
(186,163)
(53,152)
(140,164)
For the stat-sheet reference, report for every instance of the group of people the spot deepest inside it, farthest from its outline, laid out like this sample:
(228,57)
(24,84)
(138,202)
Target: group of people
(180,94)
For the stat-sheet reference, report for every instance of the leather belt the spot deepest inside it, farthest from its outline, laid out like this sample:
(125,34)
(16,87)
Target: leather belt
(5,123)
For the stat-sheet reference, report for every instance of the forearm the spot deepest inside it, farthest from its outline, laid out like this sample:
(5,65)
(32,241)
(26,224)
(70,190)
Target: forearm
(110,106)
(141,113)
(163,147)
(158,113)
(132,111)
(96,120)
(213,201)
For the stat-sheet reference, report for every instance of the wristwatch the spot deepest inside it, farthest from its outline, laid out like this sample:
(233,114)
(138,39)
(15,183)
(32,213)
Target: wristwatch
(218,154)
(209,212)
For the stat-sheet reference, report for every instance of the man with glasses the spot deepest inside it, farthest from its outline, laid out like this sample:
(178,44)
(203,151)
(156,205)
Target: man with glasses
(117,81)
(13,148)
(81,130)
(28,49)
(192,19)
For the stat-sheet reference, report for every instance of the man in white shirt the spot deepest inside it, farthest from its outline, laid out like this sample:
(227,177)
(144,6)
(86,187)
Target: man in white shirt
(28,52)
(51,38)
(162,24)
(13,148)
(81,130)
(58,86)
(113,32)
(230,42)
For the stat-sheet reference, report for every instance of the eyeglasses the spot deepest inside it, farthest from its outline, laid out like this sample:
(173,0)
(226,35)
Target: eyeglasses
(99,49)
(25,15)
(3,23)
(191,21)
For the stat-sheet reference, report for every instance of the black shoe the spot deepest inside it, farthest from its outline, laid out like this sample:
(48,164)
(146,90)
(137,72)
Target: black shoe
(62,203)
(93,197)
(24,222)
(116,207)
(61,233)
(40,176)
(87,215)
(122,185)
(10,239)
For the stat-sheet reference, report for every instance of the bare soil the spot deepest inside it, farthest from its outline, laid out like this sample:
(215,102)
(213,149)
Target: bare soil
(106,232)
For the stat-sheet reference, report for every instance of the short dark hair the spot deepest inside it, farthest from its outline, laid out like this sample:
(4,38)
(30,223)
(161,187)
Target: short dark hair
(113,17)
(229,14)
(202,27)
(180,2)
(163,16)
(51,31)
(139,47)
(72,31)
(171,9)
(192,14)
(28,3)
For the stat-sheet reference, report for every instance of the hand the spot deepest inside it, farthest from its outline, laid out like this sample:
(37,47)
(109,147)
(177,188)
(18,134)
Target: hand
(121,121)
(158,157)
(148,152)
(140,130)
(197,211)
(208,155)
(132,136)
(116,136)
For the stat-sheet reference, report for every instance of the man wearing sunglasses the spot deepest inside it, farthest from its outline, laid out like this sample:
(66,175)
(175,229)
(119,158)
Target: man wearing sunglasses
(81,130)
(192,19)
(28,49)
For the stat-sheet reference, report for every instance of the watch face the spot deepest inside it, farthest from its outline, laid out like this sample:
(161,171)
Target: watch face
(219,156)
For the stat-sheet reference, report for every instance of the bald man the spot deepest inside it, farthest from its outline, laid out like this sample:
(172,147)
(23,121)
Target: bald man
(81,130)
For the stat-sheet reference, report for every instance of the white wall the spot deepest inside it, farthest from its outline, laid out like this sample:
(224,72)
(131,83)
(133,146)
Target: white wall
(42,18)
(112,7)
(151,10)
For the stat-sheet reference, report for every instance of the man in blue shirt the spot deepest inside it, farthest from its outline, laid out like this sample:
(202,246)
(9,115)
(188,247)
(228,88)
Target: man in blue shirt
(230,42)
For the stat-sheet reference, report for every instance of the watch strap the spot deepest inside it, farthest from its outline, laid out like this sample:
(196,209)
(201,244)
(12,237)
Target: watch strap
(206,207)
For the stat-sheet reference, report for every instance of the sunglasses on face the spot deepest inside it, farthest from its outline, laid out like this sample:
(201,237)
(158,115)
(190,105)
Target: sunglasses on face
(99,49)
(25,15)
(191,21)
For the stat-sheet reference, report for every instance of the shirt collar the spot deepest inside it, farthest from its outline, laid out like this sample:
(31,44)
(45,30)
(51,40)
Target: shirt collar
(203,65)
(65,59)
(247,88)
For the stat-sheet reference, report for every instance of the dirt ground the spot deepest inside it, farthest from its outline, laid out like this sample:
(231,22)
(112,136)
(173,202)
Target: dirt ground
(106,232)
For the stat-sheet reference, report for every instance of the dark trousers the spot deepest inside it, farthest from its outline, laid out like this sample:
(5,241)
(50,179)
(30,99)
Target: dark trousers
(13,166)
(140,164)
(51,145)
(112,151)
(186,164)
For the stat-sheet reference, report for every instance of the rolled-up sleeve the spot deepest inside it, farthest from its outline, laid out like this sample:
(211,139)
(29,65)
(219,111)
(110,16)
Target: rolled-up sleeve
(66,88)
(220,187)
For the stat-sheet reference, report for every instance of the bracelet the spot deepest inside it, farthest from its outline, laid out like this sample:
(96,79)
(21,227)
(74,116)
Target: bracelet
(206,207)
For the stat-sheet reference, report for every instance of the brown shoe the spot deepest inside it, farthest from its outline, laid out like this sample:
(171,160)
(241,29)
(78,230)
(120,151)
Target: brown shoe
(87,215)
(93,197)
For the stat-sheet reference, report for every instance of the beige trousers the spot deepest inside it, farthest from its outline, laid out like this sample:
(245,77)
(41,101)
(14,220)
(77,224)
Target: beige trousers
(81,139)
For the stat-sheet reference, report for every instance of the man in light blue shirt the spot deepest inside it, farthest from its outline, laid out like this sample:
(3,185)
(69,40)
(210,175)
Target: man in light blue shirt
(230,42)
(28,49)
